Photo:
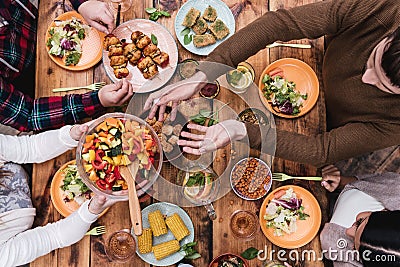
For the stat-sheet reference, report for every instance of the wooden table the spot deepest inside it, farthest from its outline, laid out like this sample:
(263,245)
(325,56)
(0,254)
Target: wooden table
(214,237)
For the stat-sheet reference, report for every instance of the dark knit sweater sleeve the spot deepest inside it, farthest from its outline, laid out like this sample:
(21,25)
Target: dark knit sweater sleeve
(329,147)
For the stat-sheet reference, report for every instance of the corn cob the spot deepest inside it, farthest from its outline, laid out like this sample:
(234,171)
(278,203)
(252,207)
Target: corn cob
(145,241)
(165,249)
(177,226)
(157,223)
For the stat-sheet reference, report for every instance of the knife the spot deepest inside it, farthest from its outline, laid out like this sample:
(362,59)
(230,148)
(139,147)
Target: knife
(118,20)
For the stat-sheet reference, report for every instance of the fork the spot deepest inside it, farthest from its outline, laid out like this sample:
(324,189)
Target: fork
(275,44)
(98,230)
(280,177)
(94,86)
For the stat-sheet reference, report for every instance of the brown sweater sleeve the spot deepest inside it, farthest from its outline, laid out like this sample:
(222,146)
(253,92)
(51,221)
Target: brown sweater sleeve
(341,143)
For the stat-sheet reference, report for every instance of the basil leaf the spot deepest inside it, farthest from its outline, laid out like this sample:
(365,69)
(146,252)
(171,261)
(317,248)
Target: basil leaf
(165,13)
(187,39)
(154,39)
(151,10)
(249,253)
(193,256)
(185,31)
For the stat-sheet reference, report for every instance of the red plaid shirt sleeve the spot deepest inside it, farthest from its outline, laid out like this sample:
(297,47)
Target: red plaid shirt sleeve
(25,114)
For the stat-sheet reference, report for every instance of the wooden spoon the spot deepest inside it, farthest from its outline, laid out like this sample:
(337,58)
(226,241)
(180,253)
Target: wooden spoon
(135,212)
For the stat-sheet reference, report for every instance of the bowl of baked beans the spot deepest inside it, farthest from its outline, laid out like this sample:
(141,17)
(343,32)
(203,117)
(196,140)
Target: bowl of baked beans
(251,178)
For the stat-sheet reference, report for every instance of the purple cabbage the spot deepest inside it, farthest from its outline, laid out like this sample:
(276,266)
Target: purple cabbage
(286,107)
(67,44)
(68,28)
(293,204)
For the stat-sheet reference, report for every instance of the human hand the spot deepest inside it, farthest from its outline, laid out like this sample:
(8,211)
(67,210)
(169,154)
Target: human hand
(78,130)
(99,203)
(216,136)
(98,15)
(330,178)
(174,93)
(116,94)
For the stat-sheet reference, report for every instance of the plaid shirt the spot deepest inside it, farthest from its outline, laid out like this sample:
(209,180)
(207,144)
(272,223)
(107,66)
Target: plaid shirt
(17,51)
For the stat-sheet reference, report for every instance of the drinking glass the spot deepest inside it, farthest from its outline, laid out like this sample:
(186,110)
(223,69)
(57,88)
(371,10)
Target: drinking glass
(121,246)
(204,191)
(241,78)
(125,4)
(244,224)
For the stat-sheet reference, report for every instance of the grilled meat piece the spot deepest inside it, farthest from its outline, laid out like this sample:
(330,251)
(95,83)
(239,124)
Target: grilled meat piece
(203,40)
(200,26)
(219,29)
(191,17)
(210,14)
(132,53)
(121,72)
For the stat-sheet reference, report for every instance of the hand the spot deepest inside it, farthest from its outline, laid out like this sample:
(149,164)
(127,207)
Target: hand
(78,130)
(115,94)
(181,90)
(99,203)
(330,178)
(98,15)
(216,136)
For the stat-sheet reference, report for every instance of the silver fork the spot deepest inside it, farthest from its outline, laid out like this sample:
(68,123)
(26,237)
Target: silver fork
(94,86)
(280,177)
(98,230)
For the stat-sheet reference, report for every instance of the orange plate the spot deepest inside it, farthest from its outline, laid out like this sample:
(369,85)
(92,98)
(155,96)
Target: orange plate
(306,82)
(306,229)
(92,45)
(65,209)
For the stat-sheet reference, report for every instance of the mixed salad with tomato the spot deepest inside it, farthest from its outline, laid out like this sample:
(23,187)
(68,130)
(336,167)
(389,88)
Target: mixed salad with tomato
(65,40)
(117,142)
(284,210)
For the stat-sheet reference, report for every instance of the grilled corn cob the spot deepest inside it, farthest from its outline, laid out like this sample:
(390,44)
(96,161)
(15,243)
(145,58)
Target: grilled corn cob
(157,223)
(165,249)
(177,226)
(145,241)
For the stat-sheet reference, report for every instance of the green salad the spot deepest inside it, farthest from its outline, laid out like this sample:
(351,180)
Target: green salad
(74,188)
(65,40)
(282,95)
(283,212)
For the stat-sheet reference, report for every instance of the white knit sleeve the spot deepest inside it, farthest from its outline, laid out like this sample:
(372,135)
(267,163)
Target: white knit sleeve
(36,148)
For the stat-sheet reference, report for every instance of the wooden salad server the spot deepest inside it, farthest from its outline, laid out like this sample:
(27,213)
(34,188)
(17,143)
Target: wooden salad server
(129,174)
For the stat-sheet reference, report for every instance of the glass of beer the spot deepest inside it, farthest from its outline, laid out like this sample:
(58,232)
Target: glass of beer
(121,246)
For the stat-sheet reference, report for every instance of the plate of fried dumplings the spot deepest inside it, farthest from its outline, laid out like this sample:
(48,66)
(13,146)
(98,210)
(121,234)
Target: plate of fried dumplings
(141,51)
(207,22)
(166,228)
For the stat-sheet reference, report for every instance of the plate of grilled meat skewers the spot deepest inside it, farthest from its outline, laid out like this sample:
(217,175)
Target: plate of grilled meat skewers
(142,51)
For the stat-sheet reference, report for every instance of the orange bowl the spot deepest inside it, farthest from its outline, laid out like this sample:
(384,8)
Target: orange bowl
(306,229)
(304,77)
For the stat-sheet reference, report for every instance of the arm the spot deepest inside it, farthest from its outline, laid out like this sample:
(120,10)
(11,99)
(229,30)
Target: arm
(350,140)
(28,245)
(307,21)
(36,148)
(25,114)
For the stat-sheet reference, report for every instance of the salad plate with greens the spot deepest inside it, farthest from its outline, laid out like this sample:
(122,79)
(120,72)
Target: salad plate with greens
(71,43)
(289,88)
(290,216)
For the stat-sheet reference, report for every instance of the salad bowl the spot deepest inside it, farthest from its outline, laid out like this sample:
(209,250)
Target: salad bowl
(306,227)
(115,140)
(304,78)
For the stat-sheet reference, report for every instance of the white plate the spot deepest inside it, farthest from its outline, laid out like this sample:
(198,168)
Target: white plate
(166,209)
(166,43)
(223,13)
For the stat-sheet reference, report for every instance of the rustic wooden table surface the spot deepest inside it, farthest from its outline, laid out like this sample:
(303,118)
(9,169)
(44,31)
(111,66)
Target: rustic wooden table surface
(214,237)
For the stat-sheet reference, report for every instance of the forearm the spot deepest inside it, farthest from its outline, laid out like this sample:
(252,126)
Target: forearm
(36,148)
(345,142)
(31,244)
(25,114)
(308,21)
